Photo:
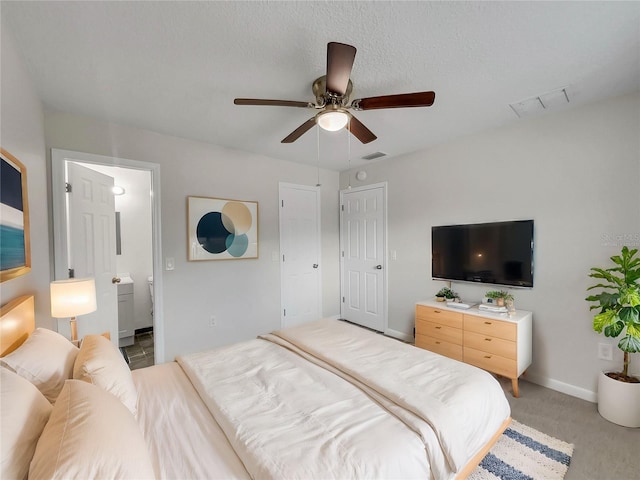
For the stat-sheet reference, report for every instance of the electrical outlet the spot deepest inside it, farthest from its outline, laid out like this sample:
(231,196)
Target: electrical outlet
(169,263)
(212,321)
(605,351)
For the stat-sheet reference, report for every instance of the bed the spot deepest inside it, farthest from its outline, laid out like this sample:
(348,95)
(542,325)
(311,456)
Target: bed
(325,399)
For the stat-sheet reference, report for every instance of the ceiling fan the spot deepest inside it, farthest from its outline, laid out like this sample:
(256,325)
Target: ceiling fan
(332,93)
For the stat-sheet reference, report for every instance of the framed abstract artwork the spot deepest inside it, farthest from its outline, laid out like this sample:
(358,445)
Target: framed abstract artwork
(15,247)
(221,229)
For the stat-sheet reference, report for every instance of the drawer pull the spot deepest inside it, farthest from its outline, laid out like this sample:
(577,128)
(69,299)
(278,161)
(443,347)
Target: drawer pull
(487,339)
(438,328)
(487,356)
(487,323)
(436,311)
(437,343)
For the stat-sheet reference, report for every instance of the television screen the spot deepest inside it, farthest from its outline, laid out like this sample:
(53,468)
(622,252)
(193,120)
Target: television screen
(500,253)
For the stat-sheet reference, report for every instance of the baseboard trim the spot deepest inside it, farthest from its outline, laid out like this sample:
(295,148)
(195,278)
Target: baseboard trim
(399,335)
(561,387)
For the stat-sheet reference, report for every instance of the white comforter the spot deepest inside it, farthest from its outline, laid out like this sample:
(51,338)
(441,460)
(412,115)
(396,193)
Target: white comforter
(463,404)
(289,418)
(184,440)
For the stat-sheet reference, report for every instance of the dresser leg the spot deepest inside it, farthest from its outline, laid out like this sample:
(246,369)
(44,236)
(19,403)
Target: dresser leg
(514,385)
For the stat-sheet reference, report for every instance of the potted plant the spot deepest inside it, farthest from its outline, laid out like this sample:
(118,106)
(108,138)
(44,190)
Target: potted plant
(447,294)
(618,305)
(500,296)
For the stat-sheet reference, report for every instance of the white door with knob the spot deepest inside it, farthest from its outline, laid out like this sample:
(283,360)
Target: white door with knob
(300,254)
(91,243)
(362,256)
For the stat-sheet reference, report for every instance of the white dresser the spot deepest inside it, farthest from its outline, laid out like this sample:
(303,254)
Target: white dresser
(497,342)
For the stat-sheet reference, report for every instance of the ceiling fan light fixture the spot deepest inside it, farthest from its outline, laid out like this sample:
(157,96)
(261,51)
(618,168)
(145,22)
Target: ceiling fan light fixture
(332,121)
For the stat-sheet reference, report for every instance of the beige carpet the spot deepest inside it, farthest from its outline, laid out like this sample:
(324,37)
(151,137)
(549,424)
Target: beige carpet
(603,450)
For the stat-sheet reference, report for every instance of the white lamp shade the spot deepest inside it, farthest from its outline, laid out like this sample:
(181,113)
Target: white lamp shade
(73,297)
(333,121)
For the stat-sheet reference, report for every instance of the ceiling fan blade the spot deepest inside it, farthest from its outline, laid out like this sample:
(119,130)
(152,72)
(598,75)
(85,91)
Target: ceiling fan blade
(357,128)
(273,103)
(340,59)
(298,132)
(403,100)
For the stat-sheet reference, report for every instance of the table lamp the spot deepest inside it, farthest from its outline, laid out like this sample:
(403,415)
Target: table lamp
(73,297)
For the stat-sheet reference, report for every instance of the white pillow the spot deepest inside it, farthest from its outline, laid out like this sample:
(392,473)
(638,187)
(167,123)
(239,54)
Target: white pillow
(25,412)
(90,434)
(101,363)
(45,359)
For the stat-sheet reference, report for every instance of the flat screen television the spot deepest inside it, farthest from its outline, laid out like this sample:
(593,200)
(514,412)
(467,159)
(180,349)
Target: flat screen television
(499,253)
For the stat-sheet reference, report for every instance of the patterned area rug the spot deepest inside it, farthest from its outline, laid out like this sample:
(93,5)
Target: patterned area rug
(523,453)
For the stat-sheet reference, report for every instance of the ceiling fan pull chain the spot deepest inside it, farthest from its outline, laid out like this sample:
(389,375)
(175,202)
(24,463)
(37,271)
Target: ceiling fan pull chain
(318,163)
(349,149)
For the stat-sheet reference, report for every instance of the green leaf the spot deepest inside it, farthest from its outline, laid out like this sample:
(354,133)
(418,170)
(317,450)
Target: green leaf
(604,319)
(634,331)
(600,285)
(617,259)
(614,329)
(607,275)
(629,315)
(630,296)
(629,344)
(605,298)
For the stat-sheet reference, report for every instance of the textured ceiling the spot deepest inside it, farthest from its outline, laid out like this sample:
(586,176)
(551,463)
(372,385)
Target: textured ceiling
(175,67)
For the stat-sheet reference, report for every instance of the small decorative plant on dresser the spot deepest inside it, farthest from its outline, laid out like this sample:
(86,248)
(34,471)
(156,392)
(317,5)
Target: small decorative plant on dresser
(500,296)
(446,293)
(619,314)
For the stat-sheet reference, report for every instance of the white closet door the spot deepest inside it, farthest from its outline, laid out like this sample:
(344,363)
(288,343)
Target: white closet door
(300,254)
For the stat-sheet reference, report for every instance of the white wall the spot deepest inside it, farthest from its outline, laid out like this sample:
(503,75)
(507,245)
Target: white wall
(244,295)
(136,256)
(576,173)
(22,135)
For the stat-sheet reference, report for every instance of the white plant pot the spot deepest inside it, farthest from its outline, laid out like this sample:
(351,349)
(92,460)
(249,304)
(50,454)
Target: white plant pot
(619,402)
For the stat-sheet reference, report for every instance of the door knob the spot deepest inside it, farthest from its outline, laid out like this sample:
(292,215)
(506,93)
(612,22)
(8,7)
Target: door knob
(378,267)
(115,280)
(315,265)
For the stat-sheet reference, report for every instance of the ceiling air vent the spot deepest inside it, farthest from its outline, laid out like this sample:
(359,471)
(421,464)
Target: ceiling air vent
(373,156)
(545,101)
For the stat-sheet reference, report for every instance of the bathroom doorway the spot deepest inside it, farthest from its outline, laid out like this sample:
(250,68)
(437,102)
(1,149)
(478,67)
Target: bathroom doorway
(136,328)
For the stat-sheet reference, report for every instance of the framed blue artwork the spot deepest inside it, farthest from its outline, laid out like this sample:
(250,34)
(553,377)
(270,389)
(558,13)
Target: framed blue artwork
(15,248)
(221,229)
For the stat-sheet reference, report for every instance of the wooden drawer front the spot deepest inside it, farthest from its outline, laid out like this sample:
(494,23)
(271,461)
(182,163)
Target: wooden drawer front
(485,343)
(441,347)
(439,331)
(437,315)
(491,362)
(491,327)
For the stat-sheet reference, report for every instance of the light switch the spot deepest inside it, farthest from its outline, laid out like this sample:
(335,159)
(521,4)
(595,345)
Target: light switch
(168,263)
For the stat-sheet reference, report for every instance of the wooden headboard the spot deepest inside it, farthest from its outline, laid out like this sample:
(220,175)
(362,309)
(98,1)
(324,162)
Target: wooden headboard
(17,321)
